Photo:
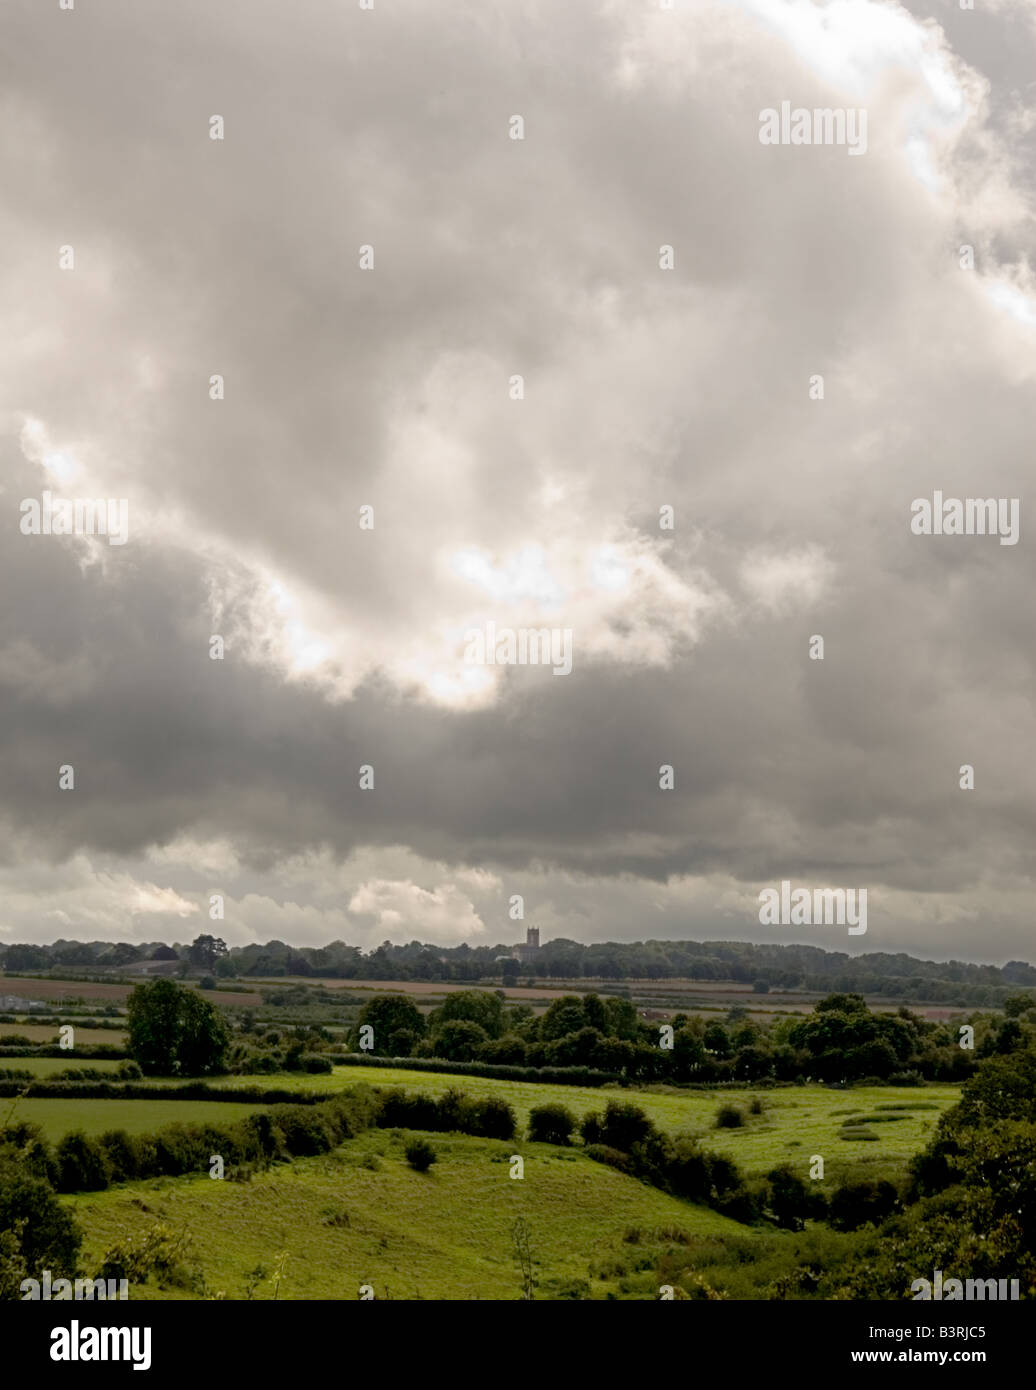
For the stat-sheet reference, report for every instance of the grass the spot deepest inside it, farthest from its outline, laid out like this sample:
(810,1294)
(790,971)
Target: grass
(84,1037)
(797,1121)
(47,1066)
(58,1117)
(361,1216)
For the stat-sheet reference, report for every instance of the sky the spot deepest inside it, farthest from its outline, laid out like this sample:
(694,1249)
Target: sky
(527,356)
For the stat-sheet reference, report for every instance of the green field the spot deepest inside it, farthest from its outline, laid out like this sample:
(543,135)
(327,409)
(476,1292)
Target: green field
(83,1036)
(58,1117)
(47,1066)
(797,1121)
(441,1234)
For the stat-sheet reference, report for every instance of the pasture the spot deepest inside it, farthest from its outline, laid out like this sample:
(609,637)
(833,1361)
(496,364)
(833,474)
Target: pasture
(796,1122)
(49,1033)
(48,1066)
(361,1215)
(58,1117)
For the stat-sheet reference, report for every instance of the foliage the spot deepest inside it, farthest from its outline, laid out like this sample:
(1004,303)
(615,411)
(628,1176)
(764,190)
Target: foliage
(551,1124)
(172,1030)
(420,1154)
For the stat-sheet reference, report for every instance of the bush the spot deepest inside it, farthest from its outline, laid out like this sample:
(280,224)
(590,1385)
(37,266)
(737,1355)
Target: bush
(551,1124)
(729,1117)
(792,1201)
(400,1110)
(624,1125)
(305,1131)
(419,1154)
(615,1158)
(122,1153)
(491,1118)
(36,1232)
(82,1164)
(855,1204)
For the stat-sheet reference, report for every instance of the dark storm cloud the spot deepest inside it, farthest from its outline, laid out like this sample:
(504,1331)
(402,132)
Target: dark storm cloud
(239,257)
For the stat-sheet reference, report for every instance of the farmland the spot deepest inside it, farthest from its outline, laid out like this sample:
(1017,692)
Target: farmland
(796,1122)
(85,1036)
(58,1117)
(50,1066)
(360,1215)
(323,1200)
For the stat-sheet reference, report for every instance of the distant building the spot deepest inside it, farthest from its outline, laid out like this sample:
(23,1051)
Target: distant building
(15,1004)
(529,951)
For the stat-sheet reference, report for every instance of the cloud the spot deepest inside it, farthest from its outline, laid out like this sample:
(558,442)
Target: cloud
(644,389)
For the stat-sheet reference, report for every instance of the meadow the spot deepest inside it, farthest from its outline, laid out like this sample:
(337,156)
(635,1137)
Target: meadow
(796,1121)
(59,1117)
(85,1036)
(361,1215)
(49,1066)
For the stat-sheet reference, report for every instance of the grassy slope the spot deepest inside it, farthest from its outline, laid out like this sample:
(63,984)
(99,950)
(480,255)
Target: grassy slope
(798,1121)
(57,1117)
(443,1234)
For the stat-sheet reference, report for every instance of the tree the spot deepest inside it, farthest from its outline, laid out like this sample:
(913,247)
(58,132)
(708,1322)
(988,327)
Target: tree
(564,1016)
(203,1038)
(391,1016)
(716,1040)
(459,1040)
(474,1006)
(122,953)
(173,1030)
(574,1049)
(204,951)
(791,1200)
(36,1232)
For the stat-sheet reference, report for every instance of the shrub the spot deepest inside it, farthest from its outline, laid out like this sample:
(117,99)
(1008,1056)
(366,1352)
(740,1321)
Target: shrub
(615,1158)
(551,1124)
(491,1118)
(121,1150)
(791,1200)
(400,1110)
(855,1204)
(82,1163)
(36,1232)
(305,1131)
(729,1117)
(419,1154)
(624,1125)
